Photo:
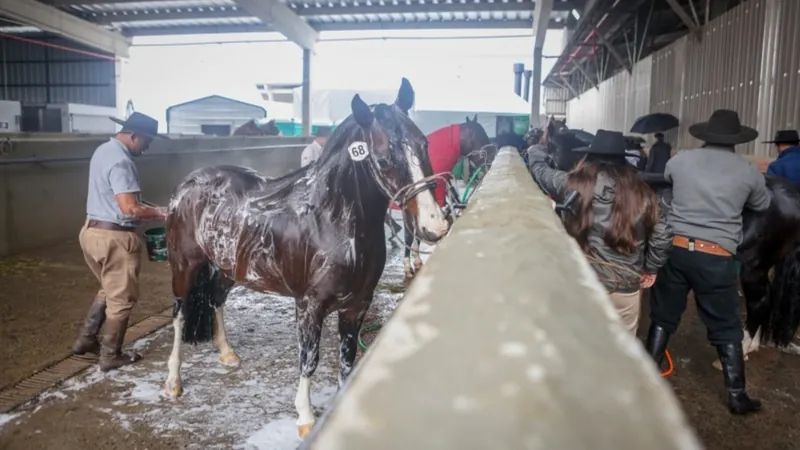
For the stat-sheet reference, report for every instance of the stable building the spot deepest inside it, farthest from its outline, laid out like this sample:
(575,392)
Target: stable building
(214,115)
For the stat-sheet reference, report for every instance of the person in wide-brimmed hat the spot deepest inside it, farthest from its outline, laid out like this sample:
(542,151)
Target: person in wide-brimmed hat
(711,187)
(617,222)
(787,143)
(110,245)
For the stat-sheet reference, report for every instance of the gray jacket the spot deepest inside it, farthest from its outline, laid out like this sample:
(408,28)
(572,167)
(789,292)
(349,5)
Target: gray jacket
(710,188)
(618,272)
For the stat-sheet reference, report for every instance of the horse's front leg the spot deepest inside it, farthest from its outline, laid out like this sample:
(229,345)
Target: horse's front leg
(309,329)
(417,257)
(350,321)
(409,241)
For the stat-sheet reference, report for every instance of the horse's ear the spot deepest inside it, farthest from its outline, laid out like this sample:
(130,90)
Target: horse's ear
(468,119)
(361,112)
(475,119)
(405,96)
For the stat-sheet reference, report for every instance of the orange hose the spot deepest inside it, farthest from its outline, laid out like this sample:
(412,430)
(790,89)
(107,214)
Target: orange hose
(671,367)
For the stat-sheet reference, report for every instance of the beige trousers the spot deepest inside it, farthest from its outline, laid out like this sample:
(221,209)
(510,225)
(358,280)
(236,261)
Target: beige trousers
(115,258)
(628,306)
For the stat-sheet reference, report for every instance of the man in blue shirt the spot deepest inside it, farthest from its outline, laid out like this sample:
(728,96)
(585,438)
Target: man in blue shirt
(788,163)
(110,245)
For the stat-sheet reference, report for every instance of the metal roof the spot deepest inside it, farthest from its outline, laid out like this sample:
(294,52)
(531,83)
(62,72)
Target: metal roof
(613,35)
(168,17)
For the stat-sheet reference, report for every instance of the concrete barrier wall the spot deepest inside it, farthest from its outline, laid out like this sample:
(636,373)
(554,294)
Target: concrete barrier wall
(45,203)
(505,339)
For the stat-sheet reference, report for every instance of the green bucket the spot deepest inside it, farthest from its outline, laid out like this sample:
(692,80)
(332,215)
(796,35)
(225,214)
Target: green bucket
(156,241)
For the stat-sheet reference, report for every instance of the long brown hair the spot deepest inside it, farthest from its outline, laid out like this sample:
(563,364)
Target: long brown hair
(634,204)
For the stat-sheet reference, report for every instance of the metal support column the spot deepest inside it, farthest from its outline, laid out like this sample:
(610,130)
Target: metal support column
(536,87)
(306,92)
(541,19)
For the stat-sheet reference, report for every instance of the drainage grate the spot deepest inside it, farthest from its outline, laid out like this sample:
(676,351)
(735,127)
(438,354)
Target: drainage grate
(71,365)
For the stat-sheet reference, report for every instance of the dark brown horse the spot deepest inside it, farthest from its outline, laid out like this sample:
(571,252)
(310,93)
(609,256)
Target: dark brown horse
(472,142)
(252,128)
(315,235)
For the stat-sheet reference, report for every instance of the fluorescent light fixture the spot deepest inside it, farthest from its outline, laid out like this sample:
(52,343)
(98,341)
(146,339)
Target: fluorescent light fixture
(576,14)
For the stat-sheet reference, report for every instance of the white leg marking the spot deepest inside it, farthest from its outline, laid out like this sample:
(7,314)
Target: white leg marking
(407,264)
(417,258)
(429,214)
(227,357)
(305,415)
(173,384)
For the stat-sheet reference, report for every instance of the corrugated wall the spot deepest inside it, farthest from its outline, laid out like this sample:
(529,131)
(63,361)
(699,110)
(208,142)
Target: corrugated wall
(615,104)
(782,39)
(747,60)
(36,74)
(722,70)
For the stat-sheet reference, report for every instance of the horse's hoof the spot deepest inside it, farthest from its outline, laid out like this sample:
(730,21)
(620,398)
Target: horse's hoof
(417,265)
(303,430)
(230,359)
(174,389)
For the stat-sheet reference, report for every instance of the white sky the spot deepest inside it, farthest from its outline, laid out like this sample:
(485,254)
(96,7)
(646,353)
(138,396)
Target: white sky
(156,77)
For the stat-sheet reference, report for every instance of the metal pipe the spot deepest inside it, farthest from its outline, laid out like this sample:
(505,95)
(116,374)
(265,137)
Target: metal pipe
(518,69)
(526,91)
(21,161)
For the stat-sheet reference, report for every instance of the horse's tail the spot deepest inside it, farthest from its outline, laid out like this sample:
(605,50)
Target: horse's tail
(784,299)
(198,309)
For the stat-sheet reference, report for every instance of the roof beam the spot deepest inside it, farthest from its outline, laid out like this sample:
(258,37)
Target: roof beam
(285,21)
(690,24)
(337,26)
(52,20)
(585,74)
(541,20)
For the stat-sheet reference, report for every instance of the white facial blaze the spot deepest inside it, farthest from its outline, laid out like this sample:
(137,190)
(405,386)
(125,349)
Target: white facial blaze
(429,215)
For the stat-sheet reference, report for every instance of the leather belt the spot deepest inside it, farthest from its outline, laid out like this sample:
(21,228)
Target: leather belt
(110,226)
(697,245)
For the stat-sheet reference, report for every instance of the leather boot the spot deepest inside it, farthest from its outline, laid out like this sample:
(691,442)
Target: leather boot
(732,358)
(111,355)
(657,338)
(87,340)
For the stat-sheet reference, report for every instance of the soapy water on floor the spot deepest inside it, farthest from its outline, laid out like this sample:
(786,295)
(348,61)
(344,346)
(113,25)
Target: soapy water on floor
(250,407)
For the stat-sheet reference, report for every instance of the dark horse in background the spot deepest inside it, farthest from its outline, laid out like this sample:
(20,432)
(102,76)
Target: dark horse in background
(315,235)
(769,253)
(469,140)
(251,128)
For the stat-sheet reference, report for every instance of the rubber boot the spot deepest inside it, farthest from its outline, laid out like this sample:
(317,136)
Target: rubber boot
(732,358)
(111,356)
(657,338)
(87,340)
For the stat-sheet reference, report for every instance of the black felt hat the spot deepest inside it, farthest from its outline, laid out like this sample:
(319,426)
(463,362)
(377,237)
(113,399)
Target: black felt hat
(605,143)
(723,127)
(785,137)
(141,124)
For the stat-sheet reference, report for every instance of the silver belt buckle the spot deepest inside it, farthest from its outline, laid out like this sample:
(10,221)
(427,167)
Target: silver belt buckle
(691,245)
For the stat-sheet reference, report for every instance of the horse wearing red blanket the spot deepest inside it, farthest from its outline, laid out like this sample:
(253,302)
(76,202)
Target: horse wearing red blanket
(446,146)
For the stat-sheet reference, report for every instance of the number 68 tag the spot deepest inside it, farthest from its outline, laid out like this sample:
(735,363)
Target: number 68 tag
(358,151)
